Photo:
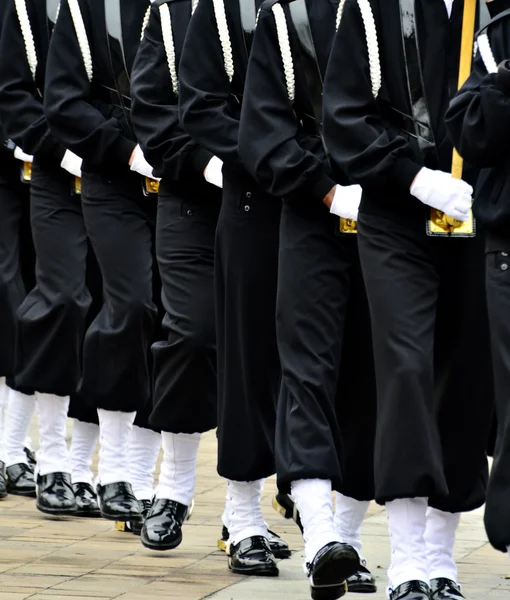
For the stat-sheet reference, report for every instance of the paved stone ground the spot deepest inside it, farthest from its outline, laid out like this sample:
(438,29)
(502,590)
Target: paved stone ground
(48,559)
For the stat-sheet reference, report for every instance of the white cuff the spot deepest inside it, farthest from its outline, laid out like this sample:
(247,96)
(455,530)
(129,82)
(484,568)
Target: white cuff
(72,163)
(20,155)
(214,172)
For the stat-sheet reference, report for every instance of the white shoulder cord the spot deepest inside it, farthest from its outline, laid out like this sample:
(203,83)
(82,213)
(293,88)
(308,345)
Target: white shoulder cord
(28,37)
(221,21)
(283,39)
(145,21)
(194,5)
(81,36)
(486,53)
(372,42)
(168,42)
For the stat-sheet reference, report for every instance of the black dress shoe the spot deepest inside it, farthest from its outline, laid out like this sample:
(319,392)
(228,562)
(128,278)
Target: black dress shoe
(118,503)
(279,547)
(55,495)
(411,590)
(445,589)
(283,504)
(253,556)
(145,507)
(3,482)
(30,454)
(330,569)
(162,529)
(20,480)
(362,582)
(86,500)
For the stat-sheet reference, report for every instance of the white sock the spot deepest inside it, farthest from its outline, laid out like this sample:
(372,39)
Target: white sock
(144,447)
(225,517)
(440,539)
(83,444)
(349,515)
(18,416)
(3,407)
(407,521)
(314,501)
(53,455)
(114,433)
(245,518)
(179,466)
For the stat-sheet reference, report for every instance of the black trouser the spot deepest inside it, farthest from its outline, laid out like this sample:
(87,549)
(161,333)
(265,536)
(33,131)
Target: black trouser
(51,320)
(433,365)
(120,222)
(16,255)
(246,263)
(326,409)
(185,391)
(497,510)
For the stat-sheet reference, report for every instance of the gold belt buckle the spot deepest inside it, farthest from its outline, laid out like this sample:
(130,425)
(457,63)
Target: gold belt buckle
(440,224)
(151,186)
(347,225)
(26,172)
(77,186)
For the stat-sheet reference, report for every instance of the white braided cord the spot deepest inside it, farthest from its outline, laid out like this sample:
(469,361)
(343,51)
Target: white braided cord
(486,53)
(339,13)
(28,36)
(58,12)
(224,34)
(194,5)
(282,31)
(145,21)
(81,36)
(168,42)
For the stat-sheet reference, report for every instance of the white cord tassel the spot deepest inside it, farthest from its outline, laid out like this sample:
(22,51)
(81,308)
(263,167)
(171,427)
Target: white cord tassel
(486,53)
(145,21)
(28,37)
(194,5)
(168,42)
(339,13)
(283,39)
(81,36)
(221,21)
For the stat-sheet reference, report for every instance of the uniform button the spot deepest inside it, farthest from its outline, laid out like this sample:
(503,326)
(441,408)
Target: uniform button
(504,267)
(190,213)
(248,194)
(504,254)
(247,208)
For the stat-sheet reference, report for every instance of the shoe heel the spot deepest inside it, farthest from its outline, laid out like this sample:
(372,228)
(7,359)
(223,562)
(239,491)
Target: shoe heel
(329,593)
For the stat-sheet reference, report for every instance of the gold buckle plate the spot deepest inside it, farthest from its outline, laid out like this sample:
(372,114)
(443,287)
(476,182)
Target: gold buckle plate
(347,226)
(151,186)
(26,172)
(440,224)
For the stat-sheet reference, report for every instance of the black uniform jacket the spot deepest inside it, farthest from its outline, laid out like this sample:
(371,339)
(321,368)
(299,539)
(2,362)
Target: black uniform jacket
(84,115)
(155,112)
(364,136)
(210,105)
(479,123)
(280,141)
(21,105)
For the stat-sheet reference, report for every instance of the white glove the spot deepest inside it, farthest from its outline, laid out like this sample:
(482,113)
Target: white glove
(442,192)
(346,201)
(72,163)
(140,165)
(214,172)
(20,155)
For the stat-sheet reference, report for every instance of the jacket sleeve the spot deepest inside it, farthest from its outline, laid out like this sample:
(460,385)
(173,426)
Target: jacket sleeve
(67,100)
(358,139)
(155,111)
(21,108)
(271,138)
(478,119)
(205,90)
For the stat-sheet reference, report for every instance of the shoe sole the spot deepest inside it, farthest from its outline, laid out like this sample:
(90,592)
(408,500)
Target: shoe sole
(344,563)
(222,545)
(254,571)
(160,547)
(3,495)
(362,588)
(96,514)
(119,518)
(285,507)
(58,512)
(22,494)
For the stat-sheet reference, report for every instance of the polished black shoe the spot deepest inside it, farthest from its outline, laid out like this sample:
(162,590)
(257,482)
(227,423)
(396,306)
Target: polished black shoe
(118,503)
(86,500)
(253,556)
(145,507)
(30,454)
(283,504)
(20,480)
(411,590)
(279,547)
(3,482)
(330,569)
(162,529)
(55,495)
(362,582)
(445,589)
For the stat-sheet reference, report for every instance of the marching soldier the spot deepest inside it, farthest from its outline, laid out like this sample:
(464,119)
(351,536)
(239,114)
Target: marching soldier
(392,70)
(477,121)
(325,418)
(87,103)
(246,254)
